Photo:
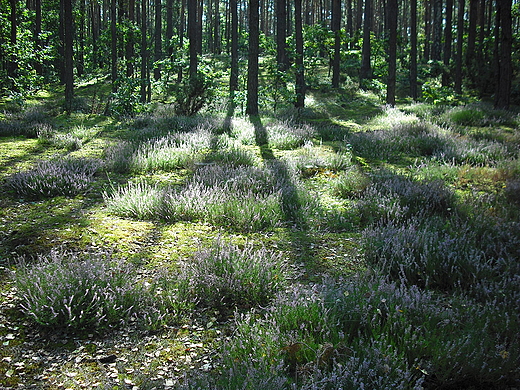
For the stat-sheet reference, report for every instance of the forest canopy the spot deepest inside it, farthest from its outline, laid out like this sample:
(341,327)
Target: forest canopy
(439,51)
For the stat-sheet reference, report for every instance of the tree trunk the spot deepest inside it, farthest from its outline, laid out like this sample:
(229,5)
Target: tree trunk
(281,33)
(460,37)
(392,10)
(68,25)
(336,24)
(157,40)
(37,40)
(505,73)
(427,30)
(252,66)
(113,43)
(413,49)
(447,43)
(300,69)
(471,63)
(437,30)
(366,68)
(129,47)
(192,37)
(144,53)
(13,66)
(233,81)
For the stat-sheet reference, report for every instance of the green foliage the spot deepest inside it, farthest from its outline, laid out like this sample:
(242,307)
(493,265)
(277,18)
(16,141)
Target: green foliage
(125,101)
(225,276)
(194,93)
(63,290)
(50,178)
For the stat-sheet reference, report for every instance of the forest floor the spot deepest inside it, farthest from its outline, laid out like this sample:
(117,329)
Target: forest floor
(35,357)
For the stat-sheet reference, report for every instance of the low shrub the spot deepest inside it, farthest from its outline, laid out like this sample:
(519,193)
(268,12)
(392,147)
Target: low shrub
(50,178)
(226,276)
(351,183)
(65,290)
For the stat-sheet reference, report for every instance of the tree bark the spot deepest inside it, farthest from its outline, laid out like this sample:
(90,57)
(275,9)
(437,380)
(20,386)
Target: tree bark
(192,36)
(505,72)
(281,34)
(300,75)
(233,81)
(157,40)
(413,49)
(366,68)
(68,25)
(447,43)
(144,54)
(437,30)
(392,10)
(252,66)
(336,24)
(113,43)
(460,37)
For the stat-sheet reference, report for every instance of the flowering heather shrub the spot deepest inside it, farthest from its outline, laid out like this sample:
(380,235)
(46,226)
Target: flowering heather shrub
(473,152)
(136,200)
(450,258)
(280,134)
(51,178)
(351,183)
(372,333)
(413,138)
(512,191)
(65,290)
(224,275)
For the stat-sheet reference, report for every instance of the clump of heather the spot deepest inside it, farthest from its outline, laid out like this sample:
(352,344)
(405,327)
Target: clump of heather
(395,198)
(50,178)
(351,183)
(224,275)
(444,254)
(279,134)
(369,332)
(239,197)
(66,290)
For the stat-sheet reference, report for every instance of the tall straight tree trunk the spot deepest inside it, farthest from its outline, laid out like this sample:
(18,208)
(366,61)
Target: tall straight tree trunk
(427,29)
(281,33)
(13,19)
(460,55)
(129,46)
(113,43)
(233,81)
(336,25)
(216,34)
(180,33)
(505,71)
(366,68)
(192,36)
(157,40)
(68,26)
(437,30)
(37,39)
(300,69)
(169,28)
(447,43)
(471,57)
(80,61)
(252,65)
(413,49)
(393,11)
(144,53)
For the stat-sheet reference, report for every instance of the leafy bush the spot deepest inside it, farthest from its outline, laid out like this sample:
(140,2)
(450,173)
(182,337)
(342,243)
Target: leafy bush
(193,94)
(64,290)
(224,275)
(51,178)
